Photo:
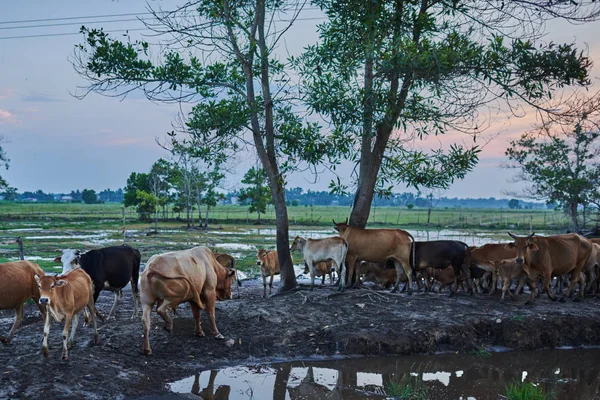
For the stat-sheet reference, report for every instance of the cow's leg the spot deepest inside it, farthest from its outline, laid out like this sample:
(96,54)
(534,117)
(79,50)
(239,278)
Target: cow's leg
(345,270)
(581,288)
(196,313)
(546,283)
(505,287)
(164,313)
(494,282)
(146,318)
(135,300)
(91,306)
(264,286)
(400,269)
(575,278)
(520,286)
(323,279)
(115,302)
(97,290)
(46,333)
(65,336)
(19,314)
(271,283)
(532,295)
(311,267)
(209,302)
(73,329)
(331,277)
(467,271)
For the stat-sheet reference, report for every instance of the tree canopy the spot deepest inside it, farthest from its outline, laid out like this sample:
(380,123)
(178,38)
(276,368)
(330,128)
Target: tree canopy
(257,195)
(388,72)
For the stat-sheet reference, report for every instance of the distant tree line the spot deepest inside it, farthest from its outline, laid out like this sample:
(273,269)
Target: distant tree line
(88,196)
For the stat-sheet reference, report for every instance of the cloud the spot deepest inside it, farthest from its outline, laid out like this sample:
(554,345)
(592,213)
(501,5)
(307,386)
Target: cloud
(41,98)
(7,117)
(5,93)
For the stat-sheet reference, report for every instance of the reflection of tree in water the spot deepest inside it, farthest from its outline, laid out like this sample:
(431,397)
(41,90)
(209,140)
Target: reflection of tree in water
(309,389)
(208,393)
(281,381)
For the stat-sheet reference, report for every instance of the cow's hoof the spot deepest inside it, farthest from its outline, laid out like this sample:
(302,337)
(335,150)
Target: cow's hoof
(168,328)
(148,352)
(4,340)
(199,333)
(45,352)
(219,336)
(65,357)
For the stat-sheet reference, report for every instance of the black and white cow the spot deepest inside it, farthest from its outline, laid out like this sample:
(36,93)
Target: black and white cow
(111,268)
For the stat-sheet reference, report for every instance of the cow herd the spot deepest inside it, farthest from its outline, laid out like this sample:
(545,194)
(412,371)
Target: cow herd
(199,277)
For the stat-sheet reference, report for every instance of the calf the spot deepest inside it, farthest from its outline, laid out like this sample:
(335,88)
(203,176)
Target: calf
(322,268)
(65,296)
(484,257)
(378,273)
(17,285)
(509,270)
(269,266)
(110,268)
(316,250)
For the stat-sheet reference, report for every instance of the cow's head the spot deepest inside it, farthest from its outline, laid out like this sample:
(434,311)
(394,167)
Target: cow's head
(47,284)
(523,245)
(298,244)
(224,288)
(70,260)
(260,257)
(340,226)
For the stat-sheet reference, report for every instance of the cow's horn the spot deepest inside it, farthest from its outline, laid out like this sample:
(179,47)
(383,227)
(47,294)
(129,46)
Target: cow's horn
(530,236)
(511,235)
(333,220)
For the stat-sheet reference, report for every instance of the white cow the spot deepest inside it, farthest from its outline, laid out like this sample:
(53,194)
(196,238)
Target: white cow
(317,250)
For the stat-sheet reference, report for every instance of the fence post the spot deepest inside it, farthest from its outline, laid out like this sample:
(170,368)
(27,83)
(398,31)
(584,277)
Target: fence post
(20,243)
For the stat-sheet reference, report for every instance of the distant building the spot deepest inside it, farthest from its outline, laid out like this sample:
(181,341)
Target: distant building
(334,203)
(66,199)
(30,200)
(234,200)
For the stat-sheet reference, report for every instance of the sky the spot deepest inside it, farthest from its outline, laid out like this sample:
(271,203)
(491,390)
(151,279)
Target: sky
(58,143)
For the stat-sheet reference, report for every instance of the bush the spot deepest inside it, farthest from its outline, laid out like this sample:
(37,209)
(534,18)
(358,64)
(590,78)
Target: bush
(526,391)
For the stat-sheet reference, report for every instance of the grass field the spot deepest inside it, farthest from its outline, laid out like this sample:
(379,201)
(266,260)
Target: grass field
(46,228)
(300,215)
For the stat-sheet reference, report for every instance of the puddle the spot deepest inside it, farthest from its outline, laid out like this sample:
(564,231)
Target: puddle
(47,237)
(235,246)
(569,374)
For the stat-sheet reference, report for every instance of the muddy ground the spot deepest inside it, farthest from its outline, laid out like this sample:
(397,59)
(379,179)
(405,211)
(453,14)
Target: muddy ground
(299,324)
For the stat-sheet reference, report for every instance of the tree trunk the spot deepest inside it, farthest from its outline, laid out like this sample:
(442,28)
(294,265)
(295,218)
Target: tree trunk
(573,212)
(258,212)
(428,215)
(288,275)
(206,219)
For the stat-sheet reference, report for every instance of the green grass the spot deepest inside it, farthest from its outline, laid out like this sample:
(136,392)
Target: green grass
(409,388)
(517,318)
(101,214)
(526,391)
(481,352)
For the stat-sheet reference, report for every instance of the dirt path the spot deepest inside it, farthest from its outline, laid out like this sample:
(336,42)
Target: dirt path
(299,324)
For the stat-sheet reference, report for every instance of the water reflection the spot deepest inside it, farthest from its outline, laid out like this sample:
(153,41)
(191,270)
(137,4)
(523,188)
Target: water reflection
(570,374)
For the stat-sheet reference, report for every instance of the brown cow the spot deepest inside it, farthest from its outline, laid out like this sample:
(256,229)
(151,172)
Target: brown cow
(17,285)
(177,277)
(322,269)
(65,296)
(592,265)
(509,270)
(269,266)
(378,273)
(552,256)
(377,245)
(484,257)
(228,262)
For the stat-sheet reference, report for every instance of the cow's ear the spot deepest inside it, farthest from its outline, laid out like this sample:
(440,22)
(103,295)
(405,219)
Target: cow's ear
(533,246)
(37,278)
(231,272)
(61,282)
(510,245)
(58,259)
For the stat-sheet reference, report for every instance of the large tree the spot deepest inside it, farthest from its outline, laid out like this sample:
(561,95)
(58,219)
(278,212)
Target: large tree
(220,55)
(387,72)
(560,165)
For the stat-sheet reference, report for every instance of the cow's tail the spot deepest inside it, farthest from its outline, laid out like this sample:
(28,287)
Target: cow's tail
(412,258)
(135,272)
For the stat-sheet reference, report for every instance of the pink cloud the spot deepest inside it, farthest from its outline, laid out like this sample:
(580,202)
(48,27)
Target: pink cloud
(6,117)
(5,93)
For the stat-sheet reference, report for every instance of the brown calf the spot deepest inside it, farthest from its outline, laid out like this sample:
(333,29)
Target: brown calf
(65,296)
(269,266)
(322,269)
(509,270)
(176,277)
(17,285)
(377,273)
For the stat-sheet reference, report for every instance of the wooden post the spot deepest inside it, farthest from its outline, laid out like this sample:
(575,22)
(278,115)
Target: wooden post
(20,243)
(530,223)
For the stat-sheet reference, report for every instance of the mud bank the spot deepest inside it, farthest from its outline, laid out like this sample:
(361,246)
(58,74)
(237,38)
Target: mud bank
(299,324)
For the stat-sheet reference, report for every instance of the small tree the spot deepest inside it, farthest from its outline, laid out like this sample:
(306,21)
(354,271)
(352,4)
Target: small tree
(3,162)
(561,166)
(258,194)
(513,204)
(89,196)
